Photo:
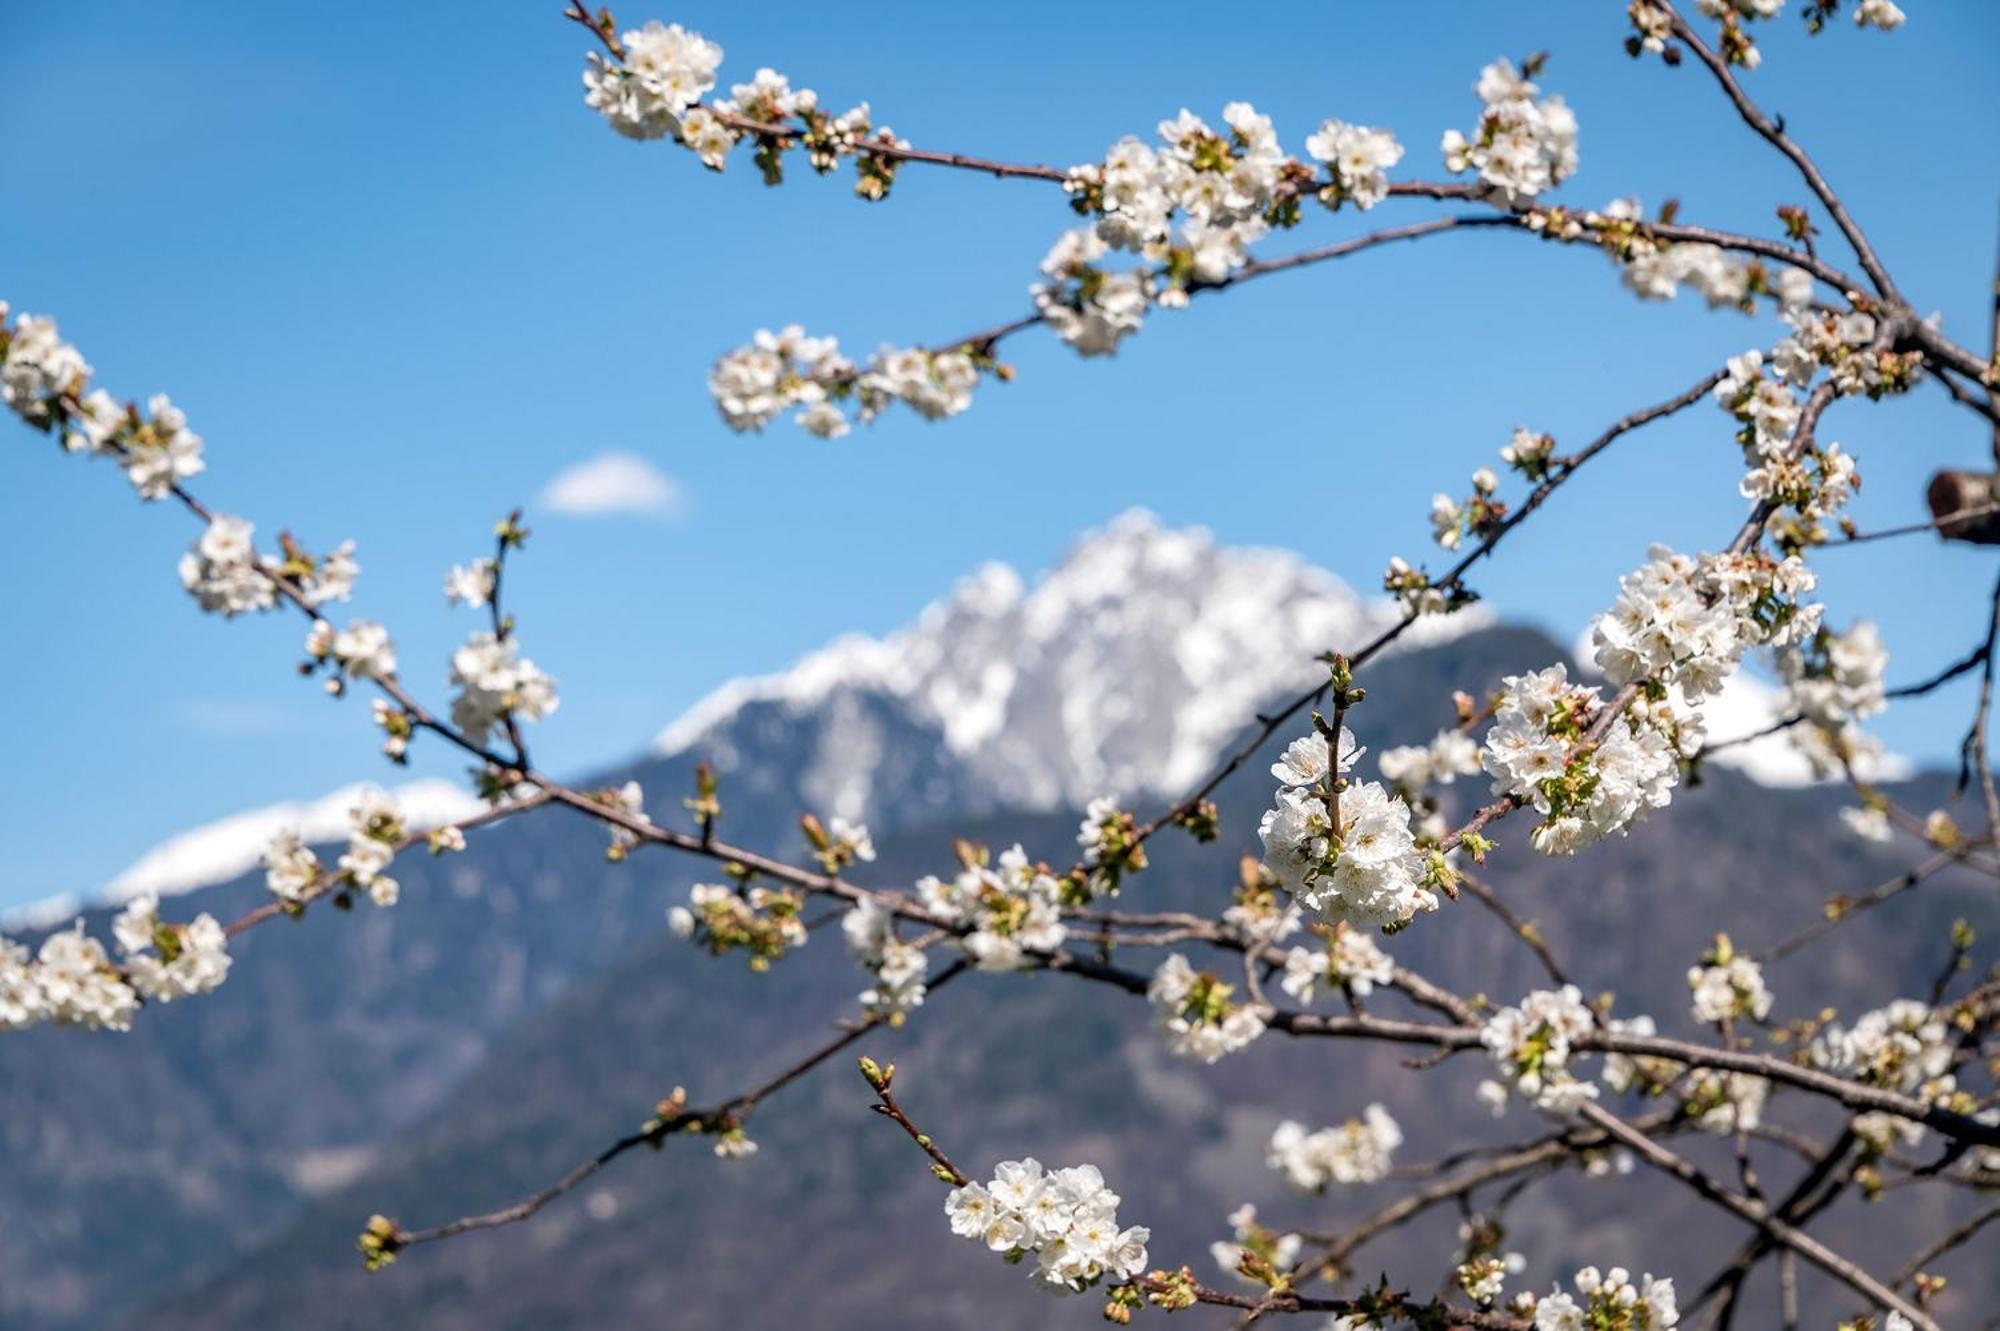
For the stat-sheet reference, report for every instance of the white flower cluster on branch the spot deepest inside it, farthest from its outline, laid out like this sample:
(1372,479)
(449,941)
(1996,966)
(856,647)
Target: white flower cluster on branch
(1065,1219)
(870,930)
(1728,986)
(1524,144)
(1197,1013)
(1251,1242)
(71,980)
(1531,1046)
(1351,962)
(1361,1150)
(1368,870)
(777,371)
(1001,911)
(1610,1302)
(46,382)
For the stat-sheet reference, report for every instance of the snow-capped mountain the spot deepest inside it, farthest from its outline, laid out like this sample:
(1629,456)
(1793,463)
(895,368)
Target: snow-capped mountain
(1125,669)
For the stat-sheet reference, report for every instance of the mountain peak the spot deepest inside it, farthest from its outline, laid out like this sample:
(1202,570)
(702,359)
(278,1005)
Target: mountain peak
(1122,670)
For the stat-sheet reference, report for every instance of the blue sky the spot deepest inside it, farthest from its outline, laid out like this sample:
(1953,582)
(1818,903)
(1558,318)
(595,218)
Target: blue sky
(400,277)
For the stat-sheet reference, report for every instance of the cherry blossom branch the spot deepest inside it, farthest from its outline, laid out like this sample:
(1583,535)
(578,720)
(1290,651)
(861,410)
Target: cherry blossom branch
(674,1118)
(1521,929)
(1773,132)
(1179,1289)
(328,881)
(1561,471)
(1842,908)
(1758,1215)
(1851,1094)
(1956,1238)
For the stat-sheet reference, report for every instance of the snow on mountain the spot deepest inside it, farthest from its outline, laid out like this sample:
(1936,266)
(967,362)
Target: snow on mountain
(1123,670)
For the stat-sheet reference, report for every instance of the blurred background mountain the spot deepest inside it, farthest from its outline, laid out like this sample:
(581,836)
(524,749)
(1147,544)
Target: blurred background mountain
(525,1004)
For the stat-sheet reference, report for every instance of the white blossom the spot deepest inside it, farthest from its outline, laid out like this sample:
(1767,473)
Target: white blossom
(1066,1219)
(470,585)
(1351,960)
(1249,1238)
(1531,1046)
(164,962)
(1369,871)
(1906,1046)
(495,682)
(1194,1010)
(375,827)
(1731,986)
(1523,145)
(1358,159)
(223,571)
(1002,911)
(1357,1151)
(290,867)
(665,70)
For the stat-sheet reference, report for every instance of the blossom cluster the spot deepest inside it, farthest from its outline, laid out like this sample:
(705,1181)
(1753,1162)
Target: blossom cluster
(1524,144)
(362,650)
(1724,1103)
(1194,1009)
(496,684)
(1728,986)
(46,382)
(777,371)
(1256,1243)
(1066,1219)
(1843,344)
(1529,453)
(1192,207)
(1541,750)
(1834,680)
(1111,846)
(654,84)
(1001,911)
(1686,622)
(630,801)
(227,576)
(1452,521)
(1357,1151)
(1814,482)
(870,930)
(71,979)
(1531,1045)
(1655,269)
(471,585)
(1351,961)
(765,922)
(1678,629)
(1413,588)
(375,834)
(1369,869)
(838,843)
(1717,1102)
(1907,1046)
(1412,767)
(1609,1302)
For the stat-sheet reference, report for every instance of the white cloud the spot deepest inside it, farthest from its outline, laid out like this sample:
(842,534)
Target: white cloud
(235,717)
(613,483)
